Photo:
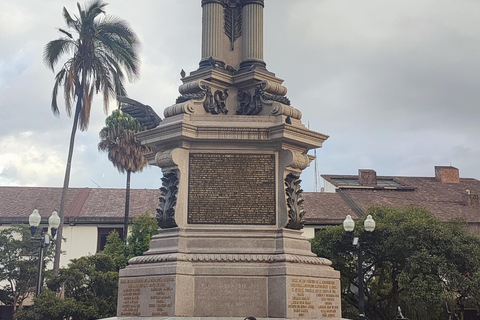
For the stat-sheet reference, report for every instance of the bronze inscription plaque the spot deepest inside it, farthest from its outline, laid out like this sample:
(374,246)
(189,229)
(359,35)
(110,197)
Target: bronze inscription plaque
(231,189)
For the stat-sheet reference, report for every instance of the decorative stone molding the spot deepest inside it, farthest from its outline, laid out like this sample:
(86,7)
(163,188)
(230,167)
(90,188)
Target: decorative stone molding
(153,259)
(229,258)
(195,90)
(289,111)
(164,159)
(184,107)
(300,160)
(294,202)
(301,259)
(168,200)
(232,258)
(274,88)
(192,86)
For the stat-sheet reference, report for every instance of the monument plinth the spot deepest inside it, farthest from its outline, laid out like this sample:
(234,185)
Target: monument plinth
(231,150)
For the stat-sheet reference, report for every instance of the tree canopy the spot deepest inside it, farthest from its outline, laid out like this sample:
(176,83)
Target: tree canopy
(89,284)
(19,265)
(411,260)
(117,138)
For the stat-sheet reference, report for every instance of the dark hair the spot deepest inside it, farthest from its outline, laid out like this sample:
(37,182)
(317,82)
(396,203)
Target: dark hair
(250,318)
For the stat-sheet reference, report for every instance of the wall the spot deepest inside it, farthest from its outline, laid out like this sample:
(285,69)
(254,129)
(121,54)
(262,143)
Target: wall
(80,241)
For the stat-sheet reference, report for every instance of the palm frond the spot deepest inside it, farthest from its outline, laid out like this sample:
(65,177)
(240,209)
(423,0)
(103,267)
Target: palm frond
(55,49)
(71,23)
(58,80)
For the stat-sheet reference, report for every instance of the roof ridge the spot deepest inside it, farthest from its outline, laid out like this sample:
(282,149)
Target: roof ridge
(351,203)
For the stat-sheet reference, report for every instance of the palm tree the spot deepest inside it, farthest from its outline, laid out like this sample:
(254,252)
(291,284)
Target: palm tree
(124,151)
(100,49)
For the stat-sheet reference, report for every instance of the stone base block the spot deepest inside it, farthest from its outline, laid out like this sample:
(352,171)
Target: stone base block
(207,285)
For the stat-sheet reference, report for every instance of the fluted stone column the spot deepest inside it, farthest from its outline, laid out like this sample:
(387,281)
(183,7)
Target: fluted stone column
(212,31)
(252,31)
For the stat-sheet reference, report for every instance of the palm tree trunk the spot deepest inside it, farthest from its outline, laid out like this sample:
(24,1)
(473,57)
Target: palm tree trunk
(127,207)
(66,181)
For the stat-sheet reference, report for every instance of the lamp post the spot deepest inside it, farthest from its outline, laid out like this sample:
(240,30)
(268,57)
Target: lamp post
(34,221)
(348,226)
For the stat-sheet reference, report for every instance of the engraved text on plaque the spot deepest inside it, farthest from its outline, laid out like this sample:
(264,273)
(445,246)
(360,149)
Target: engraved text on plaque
(231,188)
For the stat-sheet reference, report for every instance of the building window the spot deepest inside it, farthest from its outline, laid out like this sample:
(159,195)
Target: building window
(103,234)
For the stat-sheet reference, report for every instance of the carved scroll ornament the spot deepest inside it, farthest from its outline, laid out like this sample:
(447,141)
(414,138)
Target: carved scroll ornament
(253,105)
(215,103)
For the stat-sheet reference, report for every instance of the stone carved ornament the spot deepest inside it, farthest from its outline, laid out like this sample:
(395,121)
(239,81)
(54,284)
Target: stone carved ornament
(233,21)
(253,105)
(294,202)
(214,103)
(167,201)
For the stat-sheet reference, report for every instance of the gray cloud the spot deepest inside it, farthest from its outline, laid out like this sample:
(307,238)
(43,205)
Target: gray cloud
(392,82)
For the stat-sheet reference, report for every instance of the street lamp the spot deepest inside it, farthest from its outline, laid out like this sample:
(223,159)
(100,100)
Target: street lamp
(349,225)
(34,221)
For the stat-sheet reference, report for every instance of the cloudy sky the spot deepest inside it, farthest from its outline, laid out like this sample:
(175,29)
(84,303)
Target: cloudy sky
(393,82)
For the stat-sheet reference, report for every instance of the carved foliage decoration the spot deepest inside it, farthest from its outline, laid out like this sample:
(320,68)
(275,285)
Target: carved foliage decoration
(215,104)
(167,201)
(233,21)
(294,202)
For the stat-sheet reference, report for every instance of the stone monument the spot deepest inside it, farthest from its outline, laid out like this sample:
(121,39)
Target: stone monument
(231,150)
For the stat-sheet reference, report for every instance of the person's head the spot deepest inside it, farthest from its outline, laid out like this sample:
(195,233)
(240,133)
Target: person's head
(250,318)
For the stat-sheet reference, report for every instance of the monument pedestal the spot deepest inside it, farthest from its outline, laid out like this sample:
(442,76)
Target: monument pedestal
(231,149)
(232,272)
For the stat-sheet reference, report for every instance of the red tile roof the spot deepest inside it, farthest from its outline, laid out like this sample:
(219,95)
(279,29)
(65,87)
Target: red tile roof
(82,206)
(444,200)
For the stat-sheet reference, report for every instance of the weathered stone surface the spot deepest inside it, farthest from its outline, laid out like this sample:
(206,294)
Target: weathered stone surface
(228,254)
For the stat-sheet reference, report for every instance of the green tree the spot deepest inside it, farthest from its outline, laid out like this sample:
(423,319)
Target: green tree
(19,265)
(124,151)
(103,49)
(411,260)
(143,228)
(89,286)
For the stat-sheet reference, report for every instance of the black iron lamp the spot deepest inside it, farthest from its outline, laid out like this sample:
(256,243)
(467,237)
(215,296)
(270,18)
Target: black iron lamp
(348,226)
(34,221)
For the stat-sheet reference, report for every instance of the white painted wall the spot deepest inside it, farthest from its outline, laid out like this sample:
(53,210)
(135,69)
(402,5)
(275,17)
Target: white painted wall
(80,241)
